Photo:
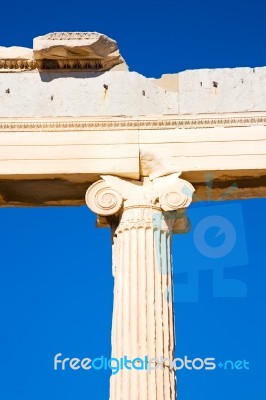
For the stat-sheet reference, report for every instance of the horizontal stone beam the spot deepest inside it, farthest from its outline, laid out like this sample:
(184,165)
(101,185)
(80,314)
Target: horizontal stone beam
(53,161)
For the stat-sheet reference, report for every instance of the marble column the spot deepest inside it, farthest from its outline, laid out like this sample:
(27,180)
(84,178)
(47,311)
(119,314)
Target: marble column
(142,216)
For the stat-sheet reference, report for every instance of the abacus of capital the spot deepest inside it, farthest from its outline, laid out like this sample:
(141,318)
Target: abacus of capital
(75,123)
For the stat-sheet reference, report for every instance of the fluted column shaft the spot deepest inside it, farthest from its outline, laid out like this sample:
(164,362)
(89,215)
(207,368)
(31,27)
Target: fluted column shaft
(143,313)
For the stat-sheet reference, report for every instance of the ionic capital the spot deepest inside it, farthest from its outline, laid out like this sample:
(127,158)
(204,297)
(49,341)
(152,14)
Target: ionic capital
(111,195)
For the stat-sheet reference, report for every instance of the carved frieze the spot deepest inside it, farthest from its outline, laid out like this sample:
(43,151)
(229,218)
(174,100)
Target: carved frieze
(176,122)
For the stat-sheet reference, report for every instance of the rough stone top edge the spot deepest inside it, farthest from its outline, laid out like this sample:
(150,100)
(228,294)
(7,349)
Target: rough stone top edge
(16,53)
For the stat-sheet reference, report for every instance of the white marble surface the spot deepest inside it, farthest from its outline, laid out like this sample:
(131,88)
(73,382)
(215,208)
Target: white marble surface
(44,94)
(222,90)
(123,93)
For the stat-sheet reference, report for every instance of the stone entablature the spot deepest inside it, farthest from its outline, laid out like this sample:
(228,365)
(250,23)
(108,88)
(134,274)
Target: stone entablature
(88,117)
(69,154)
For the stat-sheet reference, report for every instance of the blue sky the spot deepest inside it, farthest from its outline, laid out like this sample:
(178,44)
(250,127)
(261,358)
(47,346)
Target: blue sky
(56,285)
